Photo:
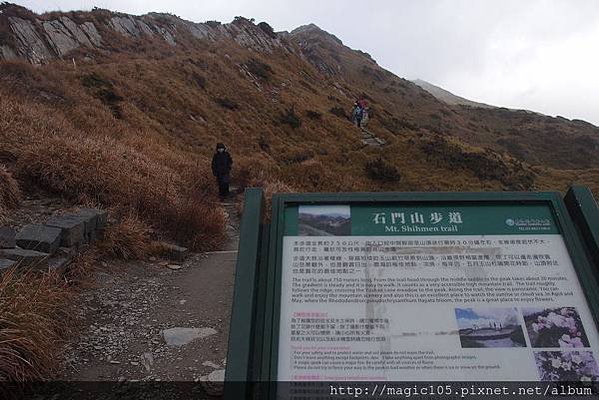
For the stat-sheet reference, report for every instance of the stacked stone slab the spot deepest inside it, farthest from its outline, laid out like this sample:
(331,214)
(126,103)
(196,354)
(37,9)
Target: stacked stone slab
(26,258)
(39,237)
(53,244)
(10,254)
(72,229)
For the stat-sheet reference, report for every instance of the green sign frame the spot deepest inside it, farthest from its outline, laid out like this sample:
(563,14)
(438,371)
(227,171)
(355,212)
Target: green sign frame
(254,337)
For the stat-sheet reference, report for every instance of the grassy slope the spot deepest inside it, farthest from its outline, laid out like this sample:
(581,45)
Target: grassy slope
(134,129)
(169,106)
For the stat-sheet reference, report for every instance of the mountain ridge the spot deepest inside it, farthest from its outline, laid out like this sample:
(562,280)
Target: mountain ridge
(447,96)
(284,99)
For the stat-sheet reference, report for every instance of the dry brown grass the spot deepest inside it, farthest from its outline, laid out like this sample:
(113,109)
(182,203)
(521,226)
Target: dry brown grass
(127,173)
(126,240)
(10,194)
(252,175)
(34,321)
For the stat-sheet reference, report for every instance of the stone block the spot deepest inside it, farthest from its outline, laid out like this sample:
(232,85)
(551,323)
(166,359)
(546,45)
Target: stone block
(93,236)
(26,258)
(174,252)
(72,227)
(100,216)
(39,237)
(7,238)
(6,264)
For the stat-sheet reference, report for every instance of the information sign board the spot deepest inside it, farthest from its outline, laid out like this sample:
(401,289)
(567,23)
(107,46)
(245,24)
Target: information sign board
(414,287)
(436,292)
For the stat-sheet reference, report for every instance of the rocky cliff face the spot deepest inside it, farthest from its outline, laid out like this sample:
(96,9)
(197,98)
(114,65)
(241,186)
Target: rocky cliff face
(40,39)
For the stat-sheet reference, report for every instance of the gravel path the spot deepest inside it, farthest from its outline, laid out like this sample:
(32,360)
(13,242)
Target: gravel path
(126,313)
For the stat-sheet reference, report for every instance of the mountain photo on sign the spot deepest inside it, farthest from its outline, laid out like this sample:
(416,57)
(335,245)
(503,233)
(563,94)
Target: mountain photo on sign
(489,327)
(324,220)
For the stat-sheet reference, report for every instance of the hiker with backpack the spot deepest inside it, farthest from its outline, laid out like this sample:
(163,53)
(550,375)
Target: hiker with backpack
(221,169)
(357,114)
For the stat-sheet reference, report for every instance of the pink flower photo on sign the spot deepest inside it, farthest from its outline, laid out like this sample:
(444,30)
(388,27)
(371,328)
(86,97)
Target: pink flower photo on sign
(555,327)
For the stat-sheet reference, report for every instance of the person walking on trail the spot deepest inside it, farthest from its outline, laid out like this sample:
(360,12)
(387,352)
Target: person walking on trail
(357,115)
(221,169)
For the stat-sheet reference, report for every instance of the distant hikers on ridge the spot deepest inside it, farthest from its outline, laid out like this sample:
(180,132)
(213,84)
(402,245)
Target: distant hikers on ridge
(221,169)
(360,112)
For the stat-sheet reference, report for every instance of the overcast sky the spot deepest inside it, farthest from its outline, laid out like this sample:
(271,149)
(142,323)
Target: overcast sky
(541,55)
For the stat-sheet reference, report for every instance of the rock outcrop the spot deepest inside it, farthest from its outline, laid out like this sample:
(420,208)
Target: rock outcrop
(39,39)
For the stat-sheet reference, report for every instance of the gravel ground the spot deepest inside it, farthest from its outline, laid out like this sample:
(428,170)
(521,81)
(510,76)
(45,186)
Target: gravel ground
(124,315)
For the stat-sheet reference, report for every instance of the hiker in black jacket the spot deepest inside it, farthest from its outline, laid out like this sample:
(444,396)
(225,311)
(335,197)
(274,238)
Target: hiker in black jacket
(221,169)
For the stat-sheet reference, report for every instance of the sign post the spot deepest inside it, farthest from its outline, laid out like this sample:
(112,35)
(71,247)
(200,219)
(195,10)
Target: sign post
(418,287)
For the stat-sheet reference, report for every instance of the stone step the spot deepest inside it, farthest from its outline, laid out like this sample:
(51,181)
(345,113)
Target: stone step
(94,219)
(39,237)
(100,217)
(26,258)
(72,228)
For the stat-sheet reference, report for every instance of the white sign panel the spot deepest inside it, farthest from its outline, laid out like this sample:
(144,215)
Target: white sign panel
(467,308)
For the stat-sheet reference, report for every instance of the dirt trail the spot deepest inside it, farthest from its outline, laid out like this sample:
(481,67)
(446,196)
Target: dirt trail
(370,139)
(124,315)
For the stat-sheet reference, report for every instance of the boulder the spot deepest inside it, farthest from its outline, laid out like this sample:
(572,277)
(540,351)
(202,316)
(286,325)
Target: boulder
(7,238)
(26,258)
(72,227)
(39,237)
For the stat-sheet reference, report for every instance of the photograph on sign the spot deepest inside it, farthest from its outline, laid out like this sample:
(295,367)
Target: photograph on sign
(421,293)
(324,220)
(567,366)
(555,327)
(490,327)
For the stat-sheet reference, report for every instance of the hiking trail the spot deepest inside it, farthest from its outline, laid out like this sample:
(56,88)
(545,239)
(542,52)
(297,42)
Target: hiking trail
(136,307)
(370,139)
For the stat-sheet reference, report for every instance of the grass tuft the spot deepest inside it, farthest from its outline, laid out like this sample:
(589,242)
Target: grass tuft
(126,240)
(34,322)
